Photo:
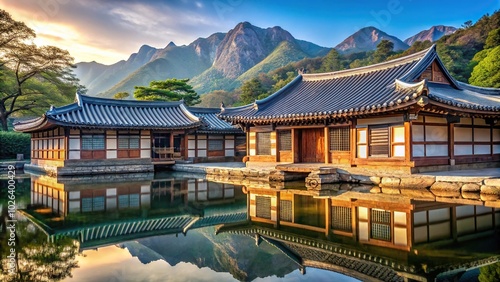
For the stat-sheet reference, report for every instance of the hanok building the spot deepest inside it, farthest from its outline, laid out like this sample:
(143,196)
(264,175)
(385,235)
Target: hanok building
(407,113)
(96,135)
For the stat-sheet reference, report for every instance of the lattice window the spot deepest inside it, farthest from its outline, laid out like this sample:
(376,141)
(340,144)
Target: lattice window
(93,142)
(263,143)
(240,144)
(379,141)
(263,207)
(342,218)
(340,139)
(93,204)
(98,204)
(381,224)
(134,201)
(123,201)
(128,142)
(286,210)
(215,145)
(285,140)
(86,204)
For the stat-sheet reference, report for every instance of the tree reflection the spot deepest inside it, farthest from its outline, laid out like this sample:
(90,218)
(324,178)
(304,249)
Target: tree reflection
(489,273)
(37,259)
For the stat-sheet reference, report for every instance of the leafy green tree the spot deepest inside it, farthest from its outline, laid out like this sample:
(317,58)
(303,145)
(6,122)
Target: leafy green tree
(121,95)
(493,39)
(250,91)
(384,50)
(168,90)
(331,62)
(489,273)
(12,32)
(215,98)
(487,72)
(31,77)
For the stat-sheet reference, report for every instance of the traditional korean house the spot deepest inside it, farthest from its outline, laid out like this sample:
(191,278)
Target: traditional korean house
(407,114)
(96,135)
(215,140)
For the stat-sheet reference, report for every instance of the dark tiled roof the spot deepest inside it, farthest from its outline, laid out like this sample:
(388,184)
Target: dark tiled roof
(92,112)
(212,123)
(382,87)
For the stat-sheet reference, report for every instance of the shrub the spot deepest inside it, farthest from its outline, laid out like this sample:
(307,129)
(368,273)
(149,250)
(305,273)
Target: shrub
(13,143)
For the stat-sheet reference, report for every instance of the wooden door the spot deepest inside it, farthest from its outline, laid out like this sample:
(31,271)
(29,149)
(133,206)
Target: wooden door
(312,145)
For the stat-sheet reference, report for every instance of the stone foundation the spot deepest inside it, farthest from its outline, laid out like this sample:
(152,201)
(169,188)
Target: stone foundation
(95,167)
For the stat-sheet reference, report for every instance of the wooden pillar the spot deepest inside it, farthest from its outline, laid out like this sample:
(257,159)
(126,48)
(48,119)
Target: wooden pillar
(171,139)
(278,212)
(354,138)
(408,142)
(327,145)
(328,217)
(451,141)
(453,222)
(294,145)
(354,222)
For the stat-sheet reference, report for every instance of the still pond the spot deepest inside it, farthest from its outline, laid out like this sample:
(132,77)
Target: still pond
(173,227)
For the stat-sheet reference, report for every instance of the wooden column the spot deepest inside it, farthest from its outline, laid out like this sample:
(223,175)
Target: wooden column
(327,146)
(294,145)
(171,139)
(354,137)
(278,212)
(408,142)
(354,222)
(328,217)
(451,141)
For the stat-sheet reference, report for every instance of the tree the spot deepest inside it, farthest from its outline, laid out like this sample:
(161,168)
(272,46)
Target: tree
(487,72)
(121,95)
(331,62)
(493,39)
(12,32)
(31,77)
(168,90)
(384,50)
(467,24)
(489,273)
(215,98)
(250,91)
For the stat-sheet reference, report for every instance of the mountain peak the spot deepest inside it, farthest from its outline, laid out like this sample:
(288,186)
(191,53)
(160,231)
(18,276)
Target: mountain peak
(367,39)
(432,34)
(171,44)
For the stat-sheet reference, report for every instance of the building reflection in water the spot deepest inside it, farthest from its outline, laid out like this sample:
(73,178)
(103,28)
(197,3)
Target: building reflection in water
(345,229)
(100,210)
(373,236)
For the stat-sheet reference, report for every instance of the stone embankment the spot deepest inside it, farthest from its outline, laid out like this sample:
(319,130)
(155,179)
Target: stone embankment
(416,186)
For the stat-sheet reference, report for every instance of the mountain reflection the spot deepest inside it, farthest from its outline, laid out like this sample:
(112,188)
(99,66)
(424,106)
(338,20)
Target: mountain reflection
(251,231)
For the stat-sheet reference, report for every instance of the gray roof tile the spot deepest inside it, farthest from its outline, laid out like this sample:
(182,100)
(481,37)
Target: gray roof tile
(380,87)
(95,112)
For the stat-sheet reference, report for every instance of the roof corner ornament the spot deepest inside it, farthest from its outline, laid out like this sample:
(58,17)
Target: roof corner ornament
(423,101)
(222,107)
(255,106)
(51,108)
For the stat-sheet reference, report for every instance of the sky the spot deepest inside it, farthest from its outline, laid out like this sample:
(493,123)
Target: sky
(107,31)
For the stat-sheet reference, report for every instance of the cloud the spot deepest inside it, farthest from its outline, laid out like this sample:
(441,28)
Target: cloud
(112,30)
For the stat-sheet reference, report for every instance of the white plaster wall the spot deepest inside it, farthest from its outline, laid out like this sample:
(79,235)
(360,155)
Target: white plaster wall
(463,134)
(111,154)
(437,150)
(436,133)
(74,143)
